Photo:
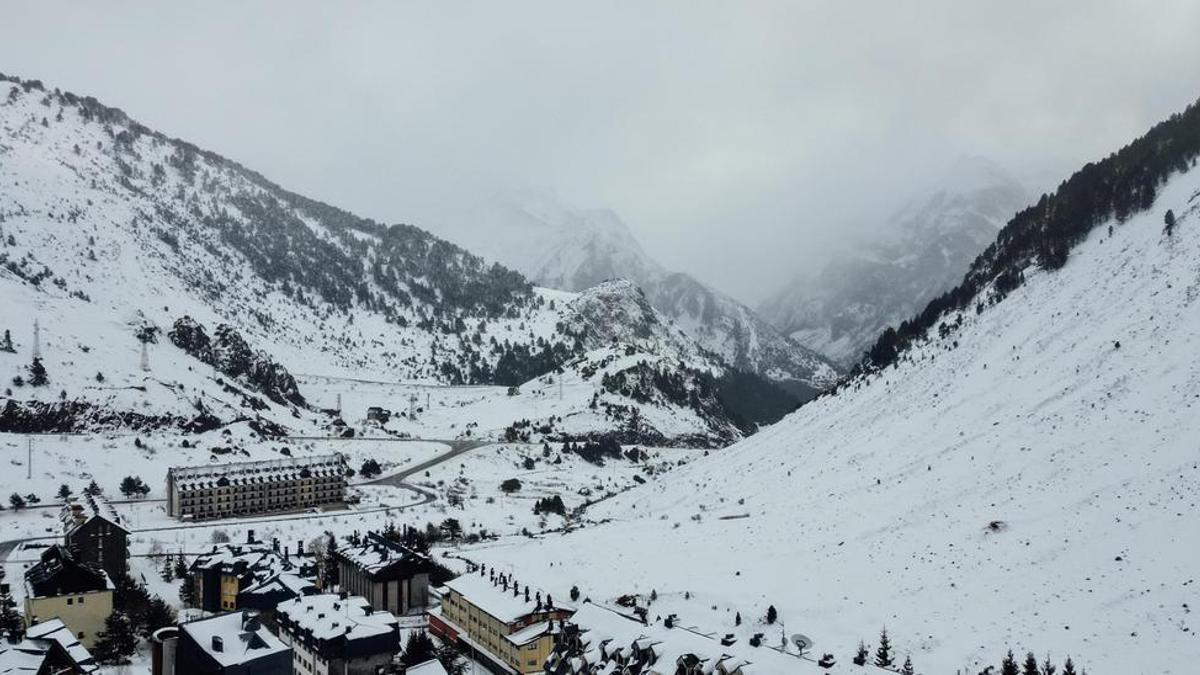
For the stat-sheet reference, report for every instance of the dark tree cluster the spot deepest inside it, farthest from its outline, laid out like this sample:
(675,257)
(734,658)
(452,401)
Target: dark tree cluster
(229,353)
(550,505)
(1121,185)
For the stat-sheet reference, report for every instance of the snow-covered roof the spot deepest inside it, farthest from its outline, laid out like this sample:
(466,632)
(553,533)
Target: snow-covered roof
(531,632)
(376,554)
(258,561)
(56,630)
(430,667)
(59,572)
(327,616)
(286,581)
(607,633)
(28,655)
(241,638)
(490,596)
(264,471)
(78,511)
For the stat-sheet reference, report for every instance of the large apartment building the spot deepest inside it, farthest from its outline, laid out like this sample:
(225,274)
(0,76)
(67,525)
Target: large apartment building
(504,624)
(248,488)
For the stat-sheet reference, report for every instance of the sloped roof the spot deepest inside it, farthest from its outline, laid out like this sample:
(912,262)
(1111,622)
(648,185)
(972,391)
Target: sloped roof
(491,597)
(59,572)
(241,641)
(328,616)
(29,655)
(264,471)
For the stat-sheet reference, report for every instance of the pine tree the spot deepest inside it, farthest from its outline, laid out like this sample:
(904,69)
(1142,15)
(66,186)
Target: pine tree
(17,501)
(1031,665)
(1047,667)
(11,624)
(6,344)
(1009,665)
(1169,219)
(737,619)
(37,373)
(860,656)
(883,655)
(157,614)
(418,649)
(574,593)
(907,668)
(93,489)
(64,492)
(187,586)
(772,615)
(116,642)
(1069,667)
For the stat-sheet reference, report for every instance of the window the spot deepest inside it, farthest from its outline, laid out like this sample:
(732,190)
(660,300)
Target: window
(70,601)
(81,635)
(81,599)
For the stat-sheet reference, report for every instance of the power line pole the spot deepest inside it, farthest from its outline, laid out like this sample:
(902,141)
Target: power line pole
(29,458)
(37,339)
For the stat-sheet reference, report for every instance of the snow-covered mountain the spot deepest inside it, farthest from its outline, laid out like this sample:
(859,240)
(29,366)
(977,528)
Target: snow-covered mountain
(119,240)
(571,249)
(922,251)
(1015,468)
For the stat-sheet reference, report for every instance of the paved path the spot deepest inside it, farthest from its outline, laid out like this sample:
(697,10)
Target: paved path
(456,448)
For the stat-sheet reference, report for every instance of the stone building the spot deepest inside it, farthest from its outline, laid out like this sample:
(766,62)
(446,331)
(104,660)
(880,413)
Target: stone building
(248,488)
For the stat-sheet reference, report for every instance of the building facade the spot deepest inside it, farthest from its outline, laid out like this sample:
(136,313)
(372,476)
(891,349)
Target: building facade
(337,635)
(234,643)
(249,576)
(509,627)
(392,577)
(96,534)
(78,594)
(248,488)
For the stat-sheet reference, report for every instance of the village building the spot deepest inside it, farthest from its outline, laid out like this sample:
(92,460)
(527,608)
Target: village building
(48,648)
(392,577)
(234,643)
(337,635)
(78,594)
(249,488)
(95,534)
(253,575)
(504,624)
(602,640)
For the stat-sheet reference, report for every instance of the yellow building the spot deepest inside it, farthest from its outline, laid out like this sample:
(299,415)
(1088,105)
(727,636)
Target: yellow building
(510,626)
(78,594)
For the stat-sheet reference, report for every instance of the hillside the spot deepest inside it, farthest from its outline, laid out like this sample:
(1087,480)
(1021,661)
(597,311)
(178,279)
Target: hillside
(119,240)
(920,252)
(1018,473)
(558,246)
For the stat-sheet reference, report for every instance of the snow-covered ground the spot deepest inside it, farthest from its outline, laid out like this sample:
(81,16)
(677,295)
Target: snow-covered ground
(1030,481)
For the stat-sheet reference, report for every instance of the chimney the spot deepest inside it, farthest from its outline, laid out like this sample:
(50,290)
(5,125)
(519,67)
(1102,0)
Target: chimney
(218,645)
(249,536)
(275,544)
(299,549)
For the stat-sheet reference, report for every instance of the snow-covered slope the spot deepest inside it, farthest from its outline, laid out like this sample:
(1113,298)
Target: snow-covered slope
(923,250)
(561,247)
(111,233)
(1027,477)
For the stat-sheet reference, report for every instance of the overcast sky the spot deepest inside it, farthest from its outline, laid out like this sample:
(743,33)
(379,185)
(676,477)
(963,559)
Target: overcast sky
(739,140)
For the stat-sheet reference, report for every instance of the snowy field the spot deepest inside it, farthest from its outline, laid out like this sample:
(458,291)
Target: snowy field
(1029,482)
